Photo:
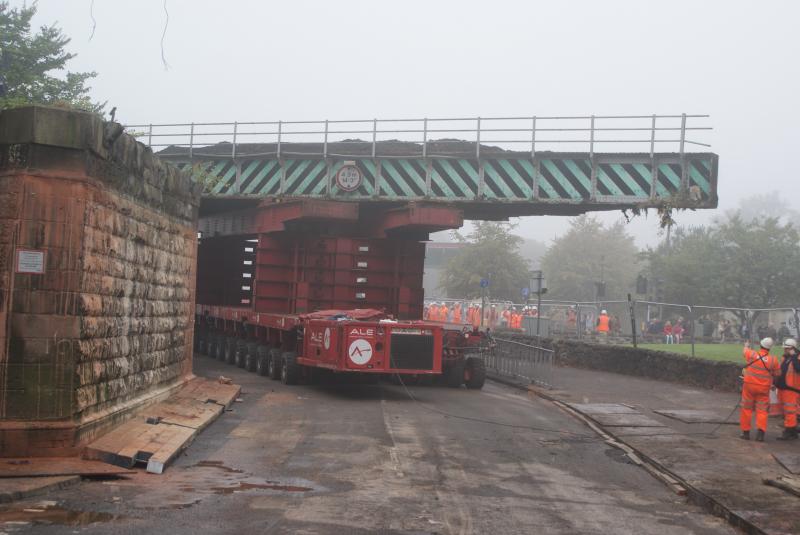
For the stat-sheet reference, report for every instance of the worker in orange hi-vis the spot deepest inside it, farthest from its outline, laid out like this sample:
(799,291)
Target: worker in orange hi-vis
(516,320)
(437,312)
(505,318)
(789,388)
(443,312)
(758,374)
(603,323)
(476,316)
(457,313)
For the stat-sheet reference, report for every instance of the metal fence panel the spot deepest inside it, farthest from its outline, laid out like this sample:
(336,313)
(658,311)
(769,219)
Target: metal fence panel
(517,360)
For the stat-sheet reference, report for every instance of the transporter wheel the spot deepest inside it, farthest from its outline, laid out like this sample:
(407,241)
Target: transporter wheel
(241,353)
(454,375)
(230,350)
(251,358)
(290,370)
(474,373)
(275,363)
(262,360)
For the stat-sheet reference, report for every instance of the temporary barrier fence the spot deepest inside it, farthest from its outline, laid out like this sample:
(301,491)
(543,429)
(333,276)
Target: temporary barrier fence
(518,360)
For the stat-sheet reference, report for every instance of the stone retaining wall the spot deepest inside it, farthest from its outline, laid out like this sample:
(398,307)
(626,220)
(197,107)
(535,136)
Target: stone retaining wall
(108,324)
(660,365)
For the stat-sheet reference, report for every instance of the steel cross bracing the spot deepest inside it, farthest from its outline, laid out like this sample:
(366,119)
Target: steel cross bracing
(508,160)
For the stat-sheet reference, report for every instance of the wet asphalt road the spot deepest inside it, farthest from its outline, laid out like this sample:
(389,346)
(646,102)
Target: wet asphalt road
(368,459)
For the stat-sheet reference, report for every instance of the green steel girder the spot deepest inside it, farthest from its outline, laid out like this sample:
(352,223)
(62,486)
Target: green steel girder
(495,186)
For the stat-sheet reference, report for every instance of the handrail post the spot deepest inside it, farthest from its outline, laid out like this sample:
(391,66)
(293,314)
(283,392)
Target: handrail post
(632,307)
(278,148)
(683,131)
(425,137)
(150,136)
(591,137)
(796,322)
(374,136)
(233,149)
(325,144)
(533,138)
(653,137)
(191,142)
(478,141)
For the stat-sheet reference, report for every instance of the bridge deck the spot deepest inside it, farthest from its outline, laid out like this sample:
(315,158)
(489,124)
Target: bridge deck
(484,178)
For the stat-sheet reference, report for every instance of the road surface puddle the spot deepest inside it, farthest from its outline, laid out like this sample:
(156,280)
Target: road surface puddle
(219,466)
(53,514)
(269,485)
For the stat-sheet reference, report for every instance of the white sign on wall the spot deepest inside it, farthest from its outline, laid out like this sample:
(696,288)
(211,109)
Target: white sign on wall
(30,261)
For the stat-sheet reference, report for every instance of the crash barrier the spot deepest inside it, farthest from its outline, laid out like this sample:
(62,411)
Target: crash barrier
(639,362)
(520,360)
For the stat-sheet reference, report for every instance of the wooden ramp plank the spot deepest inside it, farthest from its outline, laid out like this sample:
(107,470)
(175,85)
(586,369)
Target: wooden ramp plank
(175,423)
(186,412)
(57,466)
(180,438)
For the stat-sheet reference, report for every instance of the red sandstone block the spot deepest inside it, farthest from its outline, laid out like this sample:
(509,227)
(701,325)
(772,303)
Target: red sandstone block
(38,325)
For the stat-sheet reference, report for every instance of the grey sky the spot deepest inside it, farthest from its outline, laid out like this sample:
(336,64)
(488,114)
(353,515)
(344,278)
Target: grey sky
(259,60)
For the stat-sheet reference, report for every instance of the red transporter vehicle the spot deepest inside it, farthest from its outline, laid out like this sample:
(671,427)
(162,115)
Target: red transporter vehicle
(290,347)
(296,288)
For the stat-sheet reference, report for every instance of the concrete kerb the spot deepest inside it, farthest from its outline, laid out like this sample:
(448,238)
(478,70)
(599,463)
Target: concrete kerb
(693,494)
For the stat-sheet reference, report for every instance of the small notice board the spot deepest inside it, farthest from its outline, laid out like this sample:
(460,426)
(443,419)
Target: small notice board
(30,261)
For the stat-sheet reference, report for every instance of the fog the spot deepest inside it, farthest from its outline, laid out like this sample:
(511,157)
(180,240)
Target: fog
(254,60)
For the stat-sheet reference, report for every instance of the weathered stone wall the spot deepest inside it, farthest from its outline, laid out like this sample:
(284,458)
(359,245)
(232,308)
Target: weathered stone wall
(108,325)
(660,365)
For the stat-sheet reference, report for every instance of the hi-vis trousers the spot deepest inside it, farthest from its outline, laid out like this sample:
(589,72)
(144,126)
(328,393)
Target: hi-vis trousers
(754,397)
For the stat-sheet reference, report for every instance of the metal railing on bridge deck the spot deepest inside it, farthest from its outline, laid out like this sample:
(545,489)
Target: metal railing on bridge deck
(625,133)
(518,360)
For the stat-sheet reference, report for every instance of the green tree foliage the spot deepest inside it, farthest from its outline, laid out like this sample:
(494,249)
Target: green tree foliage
(587,253)
(737,262)
(32,65)
(490,250)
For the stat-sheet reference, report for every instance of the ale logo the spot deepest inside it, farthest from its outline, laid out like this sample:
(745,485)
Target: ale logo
(360,351)
(326,340)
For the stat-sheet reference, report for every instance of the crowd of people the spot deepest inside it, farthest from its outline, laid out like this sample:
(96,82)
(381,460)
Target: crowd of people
(494,316)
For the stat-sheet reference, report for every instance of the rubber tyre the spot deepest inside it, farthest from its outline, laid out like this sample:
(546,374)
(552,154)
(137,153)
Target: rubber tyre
(474,373)
(454,375)
(262,360)
(290,370)
(230,350)
(252,357)
(274,364)
(240,354)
